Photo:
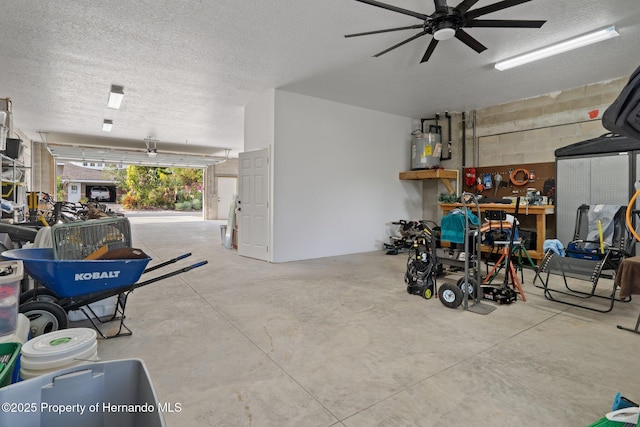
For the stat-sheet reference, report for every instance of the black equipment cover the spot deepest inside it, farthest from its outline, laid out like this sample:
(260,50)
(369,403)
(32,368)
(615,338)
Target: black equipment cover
(623,116)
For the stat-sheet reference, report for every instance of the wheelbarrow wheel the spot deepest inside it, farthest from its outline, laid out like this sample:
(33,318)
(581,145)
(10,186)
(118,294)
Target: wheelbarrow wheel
(450,295)
(41,294)
(44,317)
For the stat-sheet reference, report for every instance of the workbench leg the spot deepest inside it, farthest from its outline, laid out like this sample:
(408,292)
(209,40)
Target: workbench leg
(541,227)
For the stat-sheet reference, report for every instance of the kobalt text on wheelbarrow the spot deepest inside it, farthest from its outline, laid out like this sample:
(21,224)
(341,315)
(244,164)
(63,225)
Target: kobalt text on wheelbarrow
(68,285)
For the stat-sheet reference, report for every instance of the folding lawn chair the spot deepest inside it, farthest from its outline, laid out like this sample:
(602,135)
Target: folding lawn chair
(600,244)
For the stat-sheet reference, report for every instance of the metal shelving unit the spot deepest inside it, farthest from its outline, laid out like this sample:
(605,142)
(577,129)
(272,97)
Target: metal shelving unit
(14,194)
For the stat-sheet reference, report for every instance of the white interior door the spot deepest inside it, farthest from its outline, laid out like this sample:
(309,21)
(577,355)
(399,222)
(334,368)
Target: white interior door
(227,187)
(253,207)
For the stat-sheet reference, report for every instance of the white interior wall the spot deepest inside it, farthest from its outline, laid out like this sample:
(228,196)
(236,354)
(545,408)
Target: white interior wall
(335,178)
(259,122)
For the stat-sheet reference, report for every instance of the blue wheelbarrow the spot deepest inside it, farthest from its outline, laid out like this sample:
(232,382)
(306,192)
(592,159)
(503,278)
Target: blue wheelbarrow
(66,285)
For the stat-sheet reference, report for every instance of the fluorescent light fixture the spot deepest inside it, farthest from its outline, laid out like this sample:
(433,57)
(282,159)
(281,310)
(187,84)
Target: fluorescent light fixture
(557,48)
(107,125)
(115,97)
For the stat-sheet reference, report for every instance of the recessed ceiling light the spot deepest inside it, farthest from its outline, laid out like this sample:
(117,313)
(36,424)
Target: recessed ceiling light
(107,125)
(115,97)
(557,48)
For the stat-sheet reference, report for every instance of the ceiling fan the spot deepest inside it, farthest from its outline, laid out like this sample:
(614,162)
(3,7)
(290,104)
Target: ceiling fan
(447,22)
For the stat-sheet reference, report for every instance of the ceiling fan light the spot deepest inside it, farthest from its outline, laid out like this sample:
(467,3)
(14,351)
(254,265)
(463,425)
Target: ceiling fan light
(558,48)
(444,33)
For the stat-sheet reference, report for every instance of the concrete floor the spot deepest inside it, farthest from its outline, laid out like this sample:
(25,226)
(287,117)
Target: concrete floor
(339,342)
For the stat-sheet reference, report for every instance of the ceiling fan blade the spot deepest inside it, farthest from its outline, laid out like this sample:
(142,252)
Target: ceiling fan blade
(474,44)
(411,27)
(503,23)
(493,8)
(396,9)
(422,33)
(466,5)
(430,49)
(441,6)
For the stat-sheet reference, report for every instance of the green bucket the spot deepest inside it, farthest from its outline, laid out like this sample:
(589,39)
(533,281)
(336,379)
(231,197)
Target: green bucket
(9,353)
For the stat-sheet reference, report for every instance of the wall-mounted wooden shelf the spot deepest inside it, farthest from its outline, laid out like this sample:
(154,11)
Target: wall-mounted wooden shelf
(444,174)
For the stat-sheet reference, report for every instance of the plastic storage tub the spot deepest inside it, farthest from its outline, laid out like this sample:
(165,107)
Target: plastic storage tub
(115,393)
(21,334)
(11,273)
(103,308)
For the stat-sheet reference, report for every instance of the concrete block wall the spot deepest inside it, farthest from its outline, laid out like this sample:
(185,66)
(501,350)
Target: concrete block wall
(43,174)
(524,131)
(530,130)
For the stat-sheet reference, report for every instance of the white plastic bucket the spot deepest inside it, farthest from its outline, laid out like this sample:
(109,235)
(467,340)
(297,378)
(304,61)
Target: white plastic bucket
(58,350)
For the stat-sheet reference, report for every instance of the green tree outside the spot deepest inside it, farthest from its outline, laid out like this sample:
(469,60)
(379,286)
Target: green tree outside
(147,187)
(61,194)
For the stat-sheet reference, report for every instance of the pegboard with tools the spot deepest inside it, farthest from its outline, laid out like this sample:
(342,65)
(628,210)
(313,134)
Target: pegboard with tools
(511,180)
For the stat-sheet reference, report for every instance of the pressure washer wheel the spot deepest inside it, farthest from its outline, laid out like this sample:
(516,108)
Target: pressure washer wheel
(450,295)
(470,287)
(427,292)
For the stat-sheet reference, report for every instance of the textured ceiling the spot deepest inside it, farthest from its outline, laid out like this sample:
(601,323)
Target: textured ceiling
(189,67)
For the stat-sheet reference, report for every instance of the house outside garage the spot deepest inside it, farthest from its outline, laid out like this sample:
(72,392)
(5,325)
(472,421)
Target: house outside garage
(78,180)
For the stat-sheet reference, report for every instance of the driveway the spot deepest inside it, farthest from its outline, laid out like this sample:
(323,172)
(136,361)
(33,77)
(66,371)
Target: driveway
(117,207)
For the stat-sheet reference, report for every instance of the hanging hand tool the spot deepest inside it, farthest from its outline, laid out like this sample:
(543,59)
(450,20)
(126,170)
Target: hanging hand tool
(498,181)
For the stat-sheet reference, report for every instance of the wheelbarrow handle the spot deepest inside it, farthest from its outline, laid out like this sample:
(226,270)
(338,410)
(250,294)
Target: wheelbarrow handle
(171,261)
(199,264)
(74,303)
(167,275)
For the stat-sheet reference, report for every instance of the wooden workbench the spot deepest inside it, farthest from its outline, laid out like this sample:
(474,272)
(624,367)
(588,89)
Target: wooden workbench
(539,212)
